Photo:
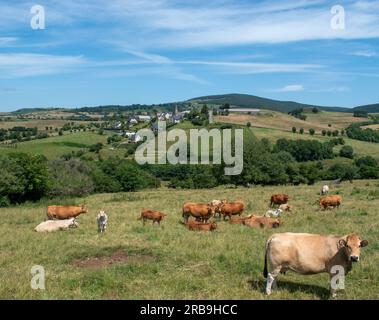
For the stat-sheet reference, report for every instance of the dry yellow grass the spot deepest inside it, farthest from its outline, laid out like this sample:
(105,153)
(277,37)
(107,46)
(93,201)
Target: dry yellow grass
(285,122)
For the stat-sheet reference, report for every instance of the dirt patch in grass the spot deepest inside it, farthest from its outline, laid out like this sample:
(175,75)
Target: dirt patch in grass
(118,257)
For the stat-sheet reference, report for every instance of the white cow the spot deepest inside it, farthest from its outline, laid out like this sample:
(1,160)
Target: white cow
(274,213)
(102,221)
(56,225)
(325,190)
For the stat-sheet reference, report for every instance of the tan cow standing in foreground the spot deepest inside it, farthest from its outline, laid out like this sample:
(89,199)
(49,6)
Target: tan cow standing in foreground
(65,212)
(307,254)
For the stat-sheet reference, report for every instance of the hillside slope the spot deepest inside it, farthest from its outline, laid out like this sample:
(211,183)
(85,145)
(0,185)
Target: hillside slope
(250,101)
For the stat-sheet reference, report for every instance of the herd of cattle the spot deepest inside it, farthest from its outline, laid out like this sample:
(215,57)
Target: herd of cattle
(299,252)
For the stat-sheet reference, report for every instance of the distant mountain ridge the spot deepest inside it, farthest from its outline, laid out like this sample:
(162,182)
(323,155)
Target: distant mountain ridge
(250,101)
(234,99)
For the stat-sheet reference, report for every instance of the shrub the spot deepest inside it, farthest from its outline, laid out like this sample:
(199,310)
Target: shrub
(312,132)
(23,177)
(323,132)
(347,152)
(248,124)
(342,171)
(69,178)
(294,129)
(301,130)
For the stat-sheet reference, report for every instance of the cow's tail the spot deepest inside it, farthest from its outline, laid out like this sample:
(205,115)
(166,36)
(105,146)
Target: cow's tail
(265,272)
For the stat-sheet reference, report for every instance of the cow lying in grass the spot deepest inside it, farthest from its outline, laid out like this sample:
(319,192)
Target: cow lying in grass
(261,222)
(201,226)
(56,225)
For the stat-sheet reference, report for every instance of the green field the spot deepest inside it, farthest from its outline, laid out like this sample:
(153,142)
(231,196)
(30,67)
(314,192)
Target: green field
(56,146)
(170,262)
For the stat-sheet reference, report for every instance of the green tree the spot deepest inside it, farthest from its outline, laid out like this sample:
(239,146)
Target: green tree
(311,131)
(301,131)
(347,152)
(294,129)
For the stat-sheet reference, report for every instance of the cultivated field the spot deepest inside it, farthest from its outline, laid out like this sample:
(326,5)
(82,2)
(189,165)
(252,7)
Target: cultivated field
(281,121)
(169,262)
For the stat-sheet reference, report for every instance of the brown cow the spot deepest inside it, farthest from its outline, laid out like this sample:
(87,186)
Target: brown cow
(65,212)
(279,199)
(201,226)
(330,201)
(201,212)
(239,220)
(232,208)
(308,254)
(148,214)
(261,222)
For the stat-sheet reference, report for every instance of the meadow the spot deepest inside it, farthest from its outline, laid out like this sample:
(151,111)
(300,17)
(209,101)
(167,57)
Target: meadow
(132,261)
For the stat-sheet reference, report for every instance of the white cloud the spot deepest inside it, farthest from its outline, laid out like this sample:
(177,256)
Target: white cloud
(6,41)
(365,53)
(26,64)
(291,88)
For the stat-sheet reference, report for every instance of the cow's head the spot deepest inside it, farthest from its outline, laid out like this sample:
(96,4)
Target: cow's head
(353,244)
(84,209)
(213,226)
(276,223)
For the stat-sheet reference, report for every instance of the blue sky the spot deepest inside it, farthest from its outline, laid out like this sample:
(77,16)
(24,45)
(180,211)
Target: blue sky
(153,51)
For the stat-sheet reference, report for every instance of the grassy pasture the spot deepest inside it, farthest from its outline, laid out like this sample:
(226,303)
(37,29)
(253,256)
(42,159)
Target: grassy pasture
(53,147)
(40,124)
(170,262)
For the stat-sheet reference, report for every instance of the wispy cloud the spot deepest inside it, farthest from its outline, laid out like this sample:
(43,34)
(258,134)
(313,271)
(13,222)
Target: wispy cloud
(26,65)
(6,41)
(365,53)
(291,88)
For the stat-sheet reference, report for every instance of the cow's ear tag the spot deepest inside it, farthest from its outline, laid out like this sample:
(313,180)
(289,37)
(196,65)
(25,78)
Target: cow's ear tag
(341,243)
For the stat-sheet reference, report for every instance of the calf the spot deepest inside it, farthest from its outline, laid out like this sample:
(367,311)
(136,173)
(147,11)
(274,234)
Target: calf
(274,213)
(201,212)
(55,225)
(154,215)
(261,222)
(65,212)
(232,208)
(278,199)
(330,201)
(201,226)
(324,190)
(308,254)
(102,221)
